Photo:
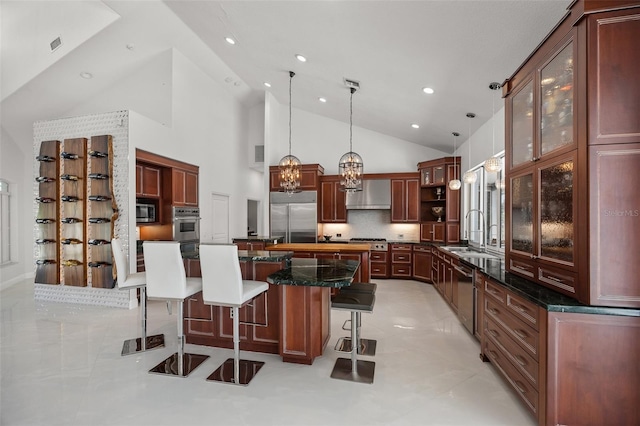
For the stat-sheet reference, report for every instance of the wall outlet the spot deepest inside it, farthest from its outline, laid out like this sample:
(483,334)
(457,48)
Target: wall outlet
(338,235)
(400,235)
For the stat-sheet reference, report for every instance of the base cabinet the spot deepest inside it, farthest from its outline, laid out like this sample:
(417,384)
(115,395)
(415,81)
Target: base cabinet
(564,366)
(422,263)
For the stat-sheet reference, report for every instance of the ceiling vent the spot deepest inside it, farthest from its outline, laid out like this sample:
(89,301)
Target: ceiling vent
(352,84)
(56,43)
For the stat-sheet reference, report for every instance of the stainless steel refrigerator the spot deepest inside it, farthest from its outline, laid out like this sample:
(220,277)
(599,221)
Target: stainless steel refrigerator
(295,216)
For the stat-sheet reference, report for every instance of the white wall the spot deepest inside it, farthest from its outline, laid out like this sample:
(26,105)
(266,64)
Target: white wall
(481,141)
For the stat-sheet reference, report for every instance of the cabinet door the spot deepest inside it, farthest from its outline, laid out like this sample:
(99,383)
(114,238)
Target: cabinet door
(398,200)
(178,178)
(332,203)
(139,180)
(439,175)
(412,201)
(422,265)
(521,110)
(426,176)
(439,233)
(522,214)
(191,189)
(150,182)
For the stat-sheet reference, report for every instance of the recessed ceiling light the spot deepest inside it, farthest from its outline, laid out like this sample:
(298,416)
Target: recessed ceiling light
(267,84)
(301,58)
(427,90)
(415,126)
(230,40)
(86,75)
(323,100)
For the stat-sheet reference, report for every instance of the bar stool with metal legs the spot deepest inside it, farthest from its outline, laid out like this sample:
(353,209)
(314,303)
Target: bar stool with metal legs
(128,281)
(167,280)
(367,346)
(222,285)
(353,369)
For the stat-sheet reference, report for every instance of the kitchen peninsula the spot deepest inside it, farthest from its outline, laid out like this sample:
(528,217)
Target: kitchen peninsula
(292,318)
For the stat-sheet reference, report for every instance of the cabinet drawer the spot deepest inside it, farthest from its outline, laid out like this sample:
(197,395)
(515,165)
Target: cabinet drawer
(522,267)
(562,280)
(521,333)
(378,256)
(524,389)
(401,257)
(401,270)
(379,270)
(523,309)
(499,293)
(401,247)
(526,365)
(422,249)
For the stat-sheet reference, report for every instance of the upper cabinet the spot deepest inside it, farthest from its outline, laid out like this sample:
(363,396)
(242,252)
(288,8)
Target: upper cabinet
(405,199)
(309,177)
(439,205)
(147,181)
(573,157)
(332,207)
(185,187)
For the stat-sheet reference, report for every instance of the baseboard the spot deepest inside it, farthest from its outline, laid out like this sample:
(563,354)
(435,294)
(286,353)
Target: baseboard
(9,283)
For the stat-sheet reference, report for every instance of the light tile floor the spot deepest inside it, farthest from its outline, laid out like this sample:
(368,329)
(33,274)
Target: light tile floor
(61,365)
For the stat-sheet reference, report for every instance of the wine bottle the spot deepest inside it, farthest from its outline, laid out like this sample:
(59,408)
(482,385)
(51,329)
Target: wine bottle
(69,156)
(45,200)
(43,179)
(45,221)
(99,198)
(69,177)
(99,220)
(45,158)
(98,264)
(71,220)
(69,198)
(71,262)
(98,242)
(45,262)
(97,154)
(45,241)
(98,176)
(68,241)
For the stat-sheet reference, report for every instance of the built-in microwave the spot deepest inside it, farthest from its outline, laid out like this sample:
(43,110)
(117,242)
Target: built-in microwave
(146,213)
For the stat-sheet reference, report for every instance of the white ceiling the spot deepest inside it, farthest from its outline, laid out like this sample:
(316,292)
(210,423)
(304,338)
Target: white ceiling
(393,48)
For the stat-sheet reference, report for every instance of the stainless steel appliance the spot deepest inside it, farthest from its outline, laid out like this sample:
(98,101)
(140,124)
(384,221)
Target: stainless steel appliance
(375,195)
(186,224)
(295,217)
(377,244)
(466,296)
(146,213)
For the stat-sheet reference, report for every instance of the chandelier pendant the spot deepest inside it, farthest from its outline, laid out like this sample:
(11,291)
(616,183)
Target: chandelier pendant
(289,165)
(351,166)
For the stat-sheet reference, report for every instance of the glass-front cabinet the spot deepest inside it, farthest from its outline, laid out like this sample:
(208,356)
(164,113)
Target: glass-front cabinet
(541,110)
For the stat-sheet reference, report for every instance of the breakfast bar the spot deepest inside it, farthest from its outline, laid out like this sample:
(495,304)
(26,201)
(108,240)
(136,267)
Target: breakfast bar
(292,318)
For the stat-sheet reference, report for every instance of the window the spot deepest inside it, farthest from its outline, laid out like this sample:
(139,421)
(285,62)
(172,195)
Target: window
(5,223)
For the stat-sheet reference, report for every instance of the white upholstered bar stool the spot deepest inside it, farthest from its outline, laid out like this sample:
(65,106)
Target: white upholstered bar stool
(222,285)
(128,281)
(167,280)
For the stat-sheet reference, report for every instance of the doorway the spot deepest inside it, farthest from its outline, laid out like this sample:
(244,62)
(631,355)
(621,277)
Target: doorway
(253,209)
(220,218)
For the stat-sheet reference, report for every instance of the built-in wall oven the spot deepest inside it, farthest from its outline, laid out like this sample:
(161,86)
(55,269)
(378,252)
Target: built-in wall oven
(186,227)
(466,296)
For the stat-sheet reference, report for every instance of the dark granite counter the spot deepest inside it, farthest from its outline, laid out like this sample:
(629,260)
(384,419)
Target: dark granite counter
(550,300)
(316,273)
(251,255)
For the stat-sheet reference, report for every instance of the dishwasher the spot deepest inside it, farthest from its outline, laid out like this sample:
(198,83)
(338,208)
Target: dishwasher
(466,302)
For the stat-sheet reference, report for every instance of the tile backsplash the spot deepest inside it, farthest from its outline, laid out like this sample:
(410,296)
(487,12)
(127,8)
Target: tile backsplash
(372,224)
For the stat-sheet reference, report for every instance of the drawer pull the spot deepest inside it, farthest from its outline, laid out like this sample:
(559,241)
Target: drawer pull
(558,280)
(521,360)
(520,386)
(491,291)
(493,354)
(494,333)
(521,334)
(518,307)
(493,311)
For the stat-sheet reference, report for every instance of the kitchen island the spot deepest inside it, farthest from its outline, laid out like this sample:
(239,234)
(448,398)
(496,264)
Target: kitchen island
(292,318)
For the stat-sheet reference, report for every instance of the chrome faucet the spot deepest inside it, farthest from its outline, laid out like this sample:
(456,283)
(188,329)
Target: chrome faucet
(482,230)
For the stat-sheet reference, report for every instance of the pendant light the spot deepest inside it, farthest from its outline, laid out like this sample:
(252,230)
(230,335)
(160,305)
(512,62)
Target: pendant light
(470,176)
(493,164)
(289,165)
(351,166)
(455,184)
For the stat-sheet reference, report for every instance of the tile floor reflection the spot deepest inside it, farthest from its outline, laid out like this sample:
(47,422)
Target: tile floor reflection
(61,365)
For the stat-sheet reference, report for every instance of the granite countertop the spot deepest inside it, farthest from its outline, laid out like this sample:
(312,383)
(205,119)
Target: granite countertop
(321,247)
(251,255)
(316,272)
(542,296)
(258,238)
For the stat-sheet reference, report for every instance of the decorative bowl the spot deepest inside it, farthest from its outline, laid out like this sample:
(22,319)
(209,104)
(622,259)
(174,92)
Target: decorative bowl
(438,211)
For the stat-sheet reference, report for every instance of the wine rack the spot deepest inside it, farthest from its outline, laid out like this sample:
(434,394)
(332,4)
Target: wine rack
(47,217)
(76,212)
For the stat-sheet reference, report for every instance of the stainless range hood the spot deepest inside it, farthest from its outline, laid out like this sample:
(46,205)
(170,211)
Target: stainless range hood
(375,195)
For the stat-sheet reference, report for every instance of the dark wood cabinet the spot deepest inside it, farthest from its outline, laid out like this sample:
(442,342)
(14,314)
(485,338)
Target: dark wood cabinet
(309,177)
(379,264)
(185,187)
(405,199)
(401,260)
(439,204)
(572,132)
(332,207)
(250,245)
(148,183)
(422,263)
